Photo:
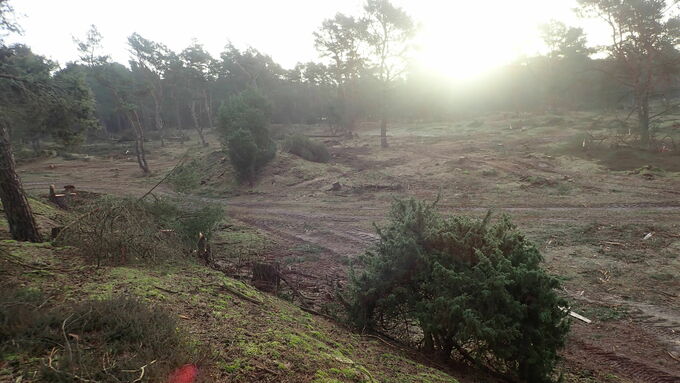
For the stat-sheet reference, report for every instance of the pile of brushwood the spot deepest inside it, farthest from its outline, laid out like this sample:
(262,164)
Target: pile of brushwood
(116,230)
(112,340)
(302,146)
(460,287)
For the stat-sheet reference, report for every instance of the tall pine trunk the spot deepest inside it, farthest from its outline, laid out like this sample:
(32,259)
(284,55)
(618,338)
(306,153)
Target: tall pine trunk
(158,119)
(643,117)
(197,125)
(206,99)
(383,117)
(139,141)
(178,110)
(20,218)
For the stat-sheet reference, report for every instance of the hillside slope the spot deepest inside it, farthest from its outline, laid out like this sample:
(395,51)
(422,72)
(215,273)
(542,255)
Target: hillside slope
(249,336)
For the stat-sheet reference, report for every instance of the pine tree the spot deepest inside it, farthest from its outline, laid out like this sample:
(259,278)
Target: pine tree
(244,127)
(474,287)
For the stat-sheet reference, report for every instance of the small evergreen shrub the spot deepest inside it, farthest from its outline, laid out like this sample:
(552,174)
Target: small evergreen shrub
(302,146)
(99,340)
(244,127)
(474,289)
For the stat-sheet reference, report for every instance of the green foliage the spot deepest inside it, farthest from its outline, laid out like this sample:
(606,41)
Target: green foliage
(100,340)
(302,146)
(186,221)
(75,115)
(123,230)
(186,177)
(43,103)
(472,286)
(244,129)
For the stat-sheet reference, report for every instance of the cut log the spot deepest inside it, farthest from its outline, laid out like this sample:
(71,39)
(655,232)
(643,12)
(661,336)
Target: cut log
(203,249)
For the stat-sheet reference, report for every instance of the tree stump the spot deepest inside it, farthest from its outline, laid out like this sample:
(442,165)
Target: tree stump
(203,249)
(58,199)
(266,276)
(55,232)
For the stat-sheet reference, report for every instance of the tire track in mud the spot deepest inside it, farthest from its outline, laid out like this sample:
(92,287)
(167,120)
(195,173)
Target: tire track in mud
(318,278)
(664,324)
(337,231)
(620,364)
(339,236)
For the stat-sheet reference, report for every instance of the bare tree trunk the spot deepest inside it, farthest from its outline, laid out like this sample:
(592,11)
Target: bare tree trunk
(206,100)
(178,113)
(139,141)
(157,117)
(383,133)
(196,123)
(133,119)
(20,218)
(383,118)
(643,117)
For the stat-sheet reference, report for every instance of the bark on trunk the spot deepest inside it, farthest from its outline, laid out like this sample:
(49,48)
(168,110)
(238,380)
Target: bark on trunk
(383,120)
(139,141)
(643,118)
(383,133)
(206,100)
(196,123)
(178,113)
(158,118)
(20,218)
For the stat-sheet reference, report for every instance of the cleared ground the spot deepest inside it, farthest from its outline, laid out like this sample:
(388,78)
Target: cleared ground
(589,210)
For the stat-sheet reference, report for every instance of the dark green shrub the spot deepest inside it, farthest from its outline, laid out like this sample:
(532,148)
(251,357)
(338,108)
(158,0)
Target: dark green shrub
(473,287)
(100,340)
(303,147)
(244,127)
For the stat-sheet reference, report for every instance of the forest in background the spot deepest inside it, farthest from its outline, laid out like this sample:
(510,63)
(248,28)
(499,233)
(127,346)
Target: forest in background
(356,79)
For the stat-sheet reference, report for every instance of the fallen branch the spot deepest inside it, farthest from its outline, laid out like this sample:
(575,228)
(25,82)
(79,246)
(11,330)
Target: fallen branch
(10,258)
(77,220)
(50,359)
(240,294)
(143,369)
(295,290)
(181,161)
(673,356)
(167,290)
(580,317)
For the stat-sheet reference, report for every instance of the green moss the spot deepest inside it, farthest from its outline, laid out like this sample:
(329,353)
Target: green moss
(246,337)
(344,374)
(241,243)
(230,367)
(44,209)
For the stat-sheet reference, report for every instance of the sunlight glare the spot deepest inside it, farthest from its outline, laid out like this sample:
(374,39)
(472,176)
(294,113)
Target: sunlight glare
(467,39)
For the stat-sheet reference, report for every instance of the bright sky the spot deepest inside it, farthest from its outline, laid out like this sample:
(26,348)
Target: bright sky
(459,38)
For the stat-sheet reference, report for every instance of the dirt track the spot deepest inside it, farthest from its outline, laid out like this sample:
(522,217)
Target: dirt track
(587,221)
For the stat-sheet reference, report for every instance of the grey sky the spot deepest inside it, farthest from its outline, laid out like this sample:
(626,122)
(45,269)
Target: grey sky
(488,33)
